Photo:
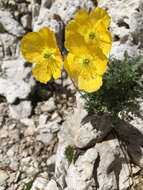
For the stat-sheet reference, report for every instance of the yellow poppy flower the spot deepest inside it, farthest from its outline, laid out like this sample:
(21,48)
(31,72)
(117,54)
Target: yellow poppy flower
(85,63)
(41,48)
(93,27)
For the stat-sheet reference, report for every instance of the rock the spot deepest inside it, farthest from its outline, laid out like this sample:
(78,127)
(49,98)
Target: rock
(45,138)
(78,131)
(34,8)
(79,175)
(47,4)
(11,152)
(26,21)
(51,160)
(67,9)
(126,26)
(84,131)
(48,106)
(29,131)
(52,185)
(16,80)
(46,126)
(40,182)
(20,111)
(29,165)
(132,135)
(9,46)
(30,126)
(3,133)
(92,130)
(3,176)
(111,172)
(11,25)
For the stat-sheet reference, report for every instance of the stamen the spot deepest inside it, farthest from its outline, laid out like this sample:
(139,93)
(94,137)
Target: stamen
(86,61)
(91,35)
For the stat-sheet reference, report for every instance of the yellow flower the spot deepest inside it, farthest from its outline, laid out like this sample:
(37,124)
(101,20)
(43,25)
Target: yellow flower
(85,63)
(41,48)
(93,28)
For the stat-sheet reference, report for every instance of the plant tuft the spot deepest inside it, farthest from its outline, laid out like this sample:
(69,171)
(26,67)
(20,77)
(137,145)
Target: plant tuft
(121,92)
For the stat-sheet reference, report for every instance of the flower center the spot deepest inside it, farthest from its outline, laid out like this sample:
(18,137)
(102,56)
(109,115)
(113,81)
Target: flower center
(48,54)
(92,35)
(86,61)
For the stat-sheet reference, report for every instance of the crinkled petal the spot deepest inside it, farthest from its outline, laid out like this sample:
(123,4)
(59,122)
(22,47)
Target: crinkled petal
(104,41)
(90,84)
(74,27)
(41,72)
(99,14)
(48,37)
(71,66)
(32,46)
(71,28)
(75,44)
(55,68)
(81,16)
(100,61)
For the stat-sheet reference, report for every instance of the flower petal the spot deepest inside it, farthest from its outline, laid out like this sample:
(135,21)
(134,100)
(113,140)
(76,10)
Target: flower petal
(90,84)
(100,61)
(81,16)
(41,72)
(55,68)
(71,66)
(48,37)
(32,46)
(75,44)
(99,14)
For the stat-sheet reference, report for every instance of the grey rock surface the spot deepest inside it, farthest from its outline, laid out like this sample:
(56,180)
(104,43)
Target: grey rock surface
(20,111)
(79,175)
(126,26)
(16,80)
(26,21)
(9,46)
(112,171)
(10,24)
(132,135)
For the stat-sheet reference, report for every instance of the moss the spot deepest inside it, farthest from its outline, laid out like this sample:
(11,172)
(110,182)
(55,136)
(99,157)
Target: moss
(69,152)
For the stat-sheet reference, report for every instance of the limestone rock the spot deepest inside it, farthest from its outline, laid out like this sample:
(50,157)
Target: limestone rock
(3,176)
(40,182)
(26,21)
(46,126)
(126,26)
(132,135)
(11,25)
(45,138)
(111,164)
(9,46)
(20,111)
(52,185)
(67,9)
(79,175)
(16,80)
(83,130)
